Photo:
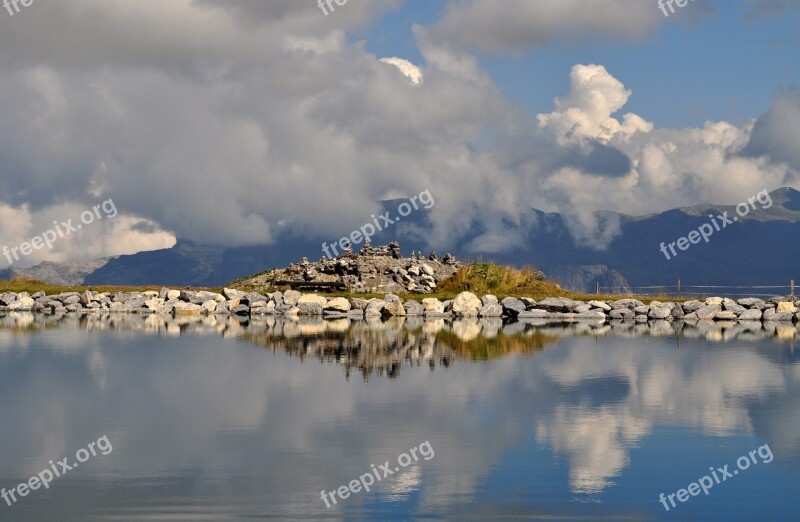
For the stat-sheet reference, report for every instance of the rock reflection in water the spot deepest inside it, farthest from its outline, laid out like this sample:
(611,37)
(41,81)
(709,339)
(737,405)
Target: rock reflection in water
(383,347)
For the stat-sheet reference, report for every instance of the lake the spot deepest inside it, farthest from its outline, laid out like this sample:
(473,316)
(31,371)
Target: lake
(229,419)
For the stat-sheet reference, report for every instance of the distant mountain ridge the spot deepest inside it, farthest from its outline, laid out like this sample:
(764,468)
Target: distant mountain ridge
(760,249)
(67,273)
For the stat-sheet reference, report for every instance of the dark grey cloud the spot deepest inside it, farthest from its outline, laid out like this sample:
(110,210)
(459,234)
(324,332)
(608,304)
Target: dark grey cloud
(777,133)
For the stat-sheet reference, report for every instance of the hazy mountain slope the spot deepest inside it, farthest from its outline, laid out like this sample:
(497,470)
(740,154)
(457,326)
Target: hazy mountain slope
(760,249)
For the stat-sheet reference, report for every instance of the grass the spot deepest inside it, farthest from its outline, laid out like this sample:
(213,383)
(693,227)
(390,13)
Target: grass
(32,286)
(501,281)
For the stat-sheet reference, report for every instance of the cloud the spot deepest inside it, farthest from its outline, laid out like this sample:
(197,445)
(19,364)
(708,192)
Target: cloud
(407,68)
(585,112)
(283,126)
(517,25)
(776,134)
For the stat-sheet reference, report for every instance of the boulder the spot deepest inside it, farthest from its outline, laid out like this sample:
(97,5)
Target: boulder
(691,306)
(601,305)
(752,302)
(241,309)
(659,312)
(621,313)
(432,306)
(627,303)
(488,299)
(358,303)
(231,294)
(414,308)
(290,297)
(708,312)
(466,304)
(512,306)
(556,304)
(338,304)
(752,314)
(182,308)
(154,304)
(374,308)
(491,310)
(312,299)
(394,308)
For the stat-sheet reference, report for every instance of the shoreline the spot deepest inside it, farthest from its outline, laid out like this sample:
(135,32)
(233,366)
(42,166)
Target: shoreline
(292,303)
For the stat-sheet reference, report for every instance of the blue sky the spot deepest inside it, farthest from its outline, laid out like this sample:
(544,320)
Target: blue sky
(727,66)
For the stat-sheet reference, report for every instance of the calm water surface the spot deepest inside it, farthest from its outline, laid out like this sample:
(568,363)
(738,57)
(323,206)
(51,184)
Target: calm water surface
(235,420)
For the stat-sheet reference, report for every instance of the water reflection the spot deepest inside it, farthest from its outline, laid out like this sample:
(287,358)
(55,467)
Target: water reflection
(381,347)
(525,417)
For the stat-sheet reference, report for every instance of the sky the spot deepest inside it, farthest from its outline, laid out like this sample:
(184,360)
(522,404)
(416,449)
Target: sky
(245,122)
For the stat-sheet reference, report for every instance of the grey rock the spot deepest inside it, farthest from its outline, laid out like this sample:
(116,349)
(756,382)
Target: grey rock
(601,305)
(512,306)
(707,312)
(488,299)
(413,308)
(752,302)
(556,304)
(621,313)
(753,314)
(310,308)
(231,294)
(692,306)
(659,312)
(241,310)
(491,310)
(290,297)
(627,303)
(358,303)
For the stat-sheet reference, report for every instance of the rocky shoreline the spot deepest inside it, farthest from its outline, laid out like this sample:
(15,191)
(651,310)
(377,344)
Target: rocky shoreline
(466,305)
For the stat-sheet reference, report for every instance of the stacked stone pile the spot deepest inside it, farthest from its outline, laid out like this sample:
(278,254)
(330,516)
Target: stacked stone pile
(465,305)
(379,269)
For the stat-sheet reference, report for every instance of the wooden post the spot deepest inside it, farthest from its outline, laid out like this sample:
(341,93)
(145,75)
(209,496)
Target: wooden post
(679,288)
(597,288)
(791,287)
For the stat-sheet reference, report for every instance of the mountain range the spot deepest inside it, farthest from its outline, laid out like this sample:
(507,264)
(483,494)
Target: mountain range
(760,248)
